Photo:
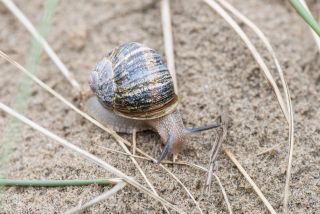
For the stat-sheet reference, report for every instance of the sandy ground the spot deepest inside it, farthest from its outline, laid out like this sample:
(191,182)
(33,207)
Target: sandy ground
(215,71)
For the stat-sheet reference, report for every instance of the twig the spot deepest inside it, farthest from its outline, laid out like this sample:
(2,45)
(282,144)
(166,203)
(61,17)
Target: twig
(98,199)
(222,134)
(308,18)
(152,160)
(186,164)
(123,153)
(225,196)
(134,141)
(253,50)
(28,25)
(254,186)
(87,156)
(168,41)
(268,150)
(57,183)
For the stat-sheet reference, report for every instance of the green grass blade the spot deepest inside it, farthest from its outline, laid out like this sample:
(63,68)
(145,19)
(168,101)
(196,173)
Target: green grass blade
(306,16)
(54,183)
(20,101)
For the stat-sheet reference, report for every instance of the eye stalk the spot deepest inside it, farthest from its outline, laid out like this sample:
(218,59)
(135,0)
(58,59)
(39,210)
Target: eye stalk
(204,128)
(166,149)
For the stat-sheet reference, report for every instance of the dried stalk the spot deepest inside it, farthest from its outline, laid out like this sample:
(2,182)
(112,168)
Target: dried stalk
(254,186)
(225,196)
(222,134)
(98,199)
(168,40)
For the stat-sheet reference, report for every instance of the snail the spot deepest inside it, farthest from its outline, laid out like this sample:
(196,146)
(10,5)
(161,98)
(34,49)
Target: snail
(134,91)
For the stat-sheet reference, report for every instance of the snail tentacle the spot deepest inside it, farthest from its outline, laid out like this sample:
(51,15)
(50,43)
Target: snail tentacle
(166,148)
(203,128)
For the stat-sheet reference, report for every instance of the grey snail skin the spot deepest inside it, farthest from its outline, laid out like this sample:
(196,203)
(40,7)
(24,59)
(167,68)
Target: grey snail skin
(134,90)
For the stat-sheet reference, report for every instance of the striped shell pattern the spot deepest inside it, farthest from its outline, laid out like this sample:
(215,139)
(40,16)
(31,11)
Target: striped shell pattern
(134,82)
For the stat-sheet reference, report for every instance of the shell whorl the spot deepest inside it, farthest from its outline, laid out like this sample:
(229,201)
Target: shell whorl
(134,82)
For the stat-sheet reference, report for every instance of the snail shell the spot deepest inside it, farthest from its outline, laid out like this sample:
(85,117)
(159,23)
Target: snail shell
(134,82)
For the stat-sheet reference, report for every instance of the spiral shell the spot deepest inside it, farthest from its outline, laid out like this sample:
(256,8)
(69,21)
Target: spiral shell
(134,82)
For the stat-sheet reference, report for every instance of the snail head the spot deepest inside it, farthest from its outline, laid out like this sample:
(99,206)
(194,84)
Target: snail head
(177,137)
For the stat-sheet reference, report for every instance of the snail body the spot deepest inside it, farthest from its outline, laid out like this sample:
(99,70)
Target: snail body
(170,124)
(134,90)
(107,117)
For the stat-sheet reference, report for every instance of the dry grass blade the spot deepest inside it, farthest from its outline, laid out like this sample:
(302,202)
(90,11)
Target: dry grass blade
(123,153)
(186,164)
(86,116)
(28,25)
(186,189)
(163,162)
(87,156)
(254,52)
(222,134)
(315,36)
(134,141)
(269,150)
(291,140)
(168,41)
(284,84)
(224,194)
(98,199)
(254,186)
